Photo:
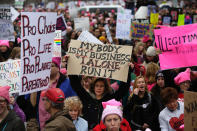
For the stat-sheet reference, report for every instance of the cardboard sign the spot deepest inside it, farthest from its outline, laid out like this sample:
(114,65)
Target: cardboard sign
(82,24)
(108,34)
(6,30)
(61,24)
(190,111)
(37,36)
(183,56)
(181,20)
(10,75)
(5,12)
(123,24)
(168,38)
(86,36)
(99,60)
(57,44)
(139,30)
(154,18)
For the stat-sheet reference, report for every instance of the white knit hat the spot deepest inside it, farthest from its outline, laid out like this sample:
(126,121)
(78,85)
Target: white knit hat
(111,110)
(151,51)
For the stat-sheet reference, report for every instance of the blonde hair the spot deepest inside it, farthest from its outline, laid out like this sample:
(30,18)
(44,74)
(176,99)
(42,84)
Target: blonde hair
(136,48)
(73,103)
(135,85)
(151,71)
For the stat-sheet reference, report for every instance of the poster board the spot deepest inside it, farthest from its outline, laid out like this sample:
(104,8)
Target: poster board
(10,75)
(108,34)
(181,19)
(86,36)
(99,60)
(166,20)
(37,37)
(61,24)
(190,111)
(57,44)
(6,30)
(154,18)
(5,12)
(82,24)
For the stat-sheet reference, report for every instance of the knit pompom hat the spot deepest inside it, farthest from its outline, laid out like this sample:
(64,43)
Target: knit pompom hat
(151,51)
(4,92)
(183,76)
(5,43)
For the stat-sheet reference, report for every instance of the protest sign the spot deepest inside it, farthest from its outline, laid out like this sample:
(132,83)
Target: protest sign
(19,4)
(5,12)
(174,13)
(139,30)
(123,24)
(14,14)
(82,24)
(154,17)
(61,24)
(10,75)
(6,30)
(37,36)
(50,5)
(181,20)
(99,60)
(187,53)
(190,111)
(108,34)
(86,36)
(166,20)
(57,44)
(168,38)
(142,13)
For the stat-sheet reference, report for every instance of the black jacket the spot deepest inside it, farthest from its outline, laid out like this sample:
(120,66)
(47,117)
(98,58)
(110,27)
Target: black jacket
(12,123)
(92,108)
(141,110)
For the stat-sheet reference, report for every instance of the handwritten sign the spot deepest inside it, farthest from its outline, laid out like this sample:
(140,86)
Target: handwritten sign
(82,24)
(86,36)
(61,24)
(154,18)
(183,56)
(166,20)
(181,20)
(5,12)
(14,13)
(139,30)
(10,75)
(37,34)
(57,44)
(190,111)
(6,30)
(168,38)
(108,34)
(99,60)
(123,24)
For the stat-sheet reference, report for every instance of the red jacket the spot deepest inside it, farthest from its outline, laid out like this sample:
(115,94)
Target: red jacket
(124,126)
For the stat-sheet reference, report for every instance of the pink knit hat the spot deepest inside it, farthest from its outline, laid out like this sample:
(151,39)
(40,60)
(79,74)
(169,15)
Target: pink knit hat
(146,39)
(57,61)
(183,76)
(4,92)
(111,107)
(63,71)
(5,43)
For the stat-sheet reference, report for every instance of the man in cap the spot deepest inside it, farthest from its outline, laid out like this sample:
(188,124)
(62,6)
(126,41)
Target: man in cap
(9,121)
(54,103)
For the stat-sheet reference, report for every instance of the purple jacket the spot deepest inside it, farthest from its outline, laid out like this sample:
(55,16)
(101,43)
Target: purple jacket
(19,112)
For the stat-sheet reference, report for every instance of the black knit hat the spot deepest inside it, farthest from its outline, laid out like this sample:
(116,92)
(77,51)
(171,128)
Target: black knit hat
(159,74)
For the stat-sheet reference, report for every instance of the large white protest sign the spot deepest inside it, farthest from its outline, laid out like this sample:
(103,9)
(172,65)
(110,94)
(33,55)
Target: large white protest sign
(37,35)
(82,23)
(123,24)
(5,12)
(100,60)
(86,36)
(6,30)
(108,34)
(10,75)
(57,44)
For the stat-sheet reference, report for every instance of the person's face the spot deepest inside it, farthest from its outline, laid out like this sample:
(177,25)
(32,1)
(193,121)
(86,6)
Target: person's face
(47,104)
(185,85)
(99,88)
(112,122)
(160,82)
(97,32)
(150,58)
(141,84)
(74,113)
(3,105)
(141,48)
(172,105)
(12,100)
(3,48)
(54,71)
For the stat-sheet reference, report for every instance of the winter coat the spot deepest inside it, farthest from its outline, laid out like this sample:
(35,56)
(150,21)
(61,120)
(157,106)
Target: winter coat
(12,123)
(59,122)
(92,108)
(124,126)
(142,110)
(19,112)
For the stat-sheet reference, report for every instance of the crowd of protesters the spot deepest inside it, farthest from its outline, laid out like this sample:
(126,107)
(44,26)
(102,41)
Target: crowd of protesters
(147,101)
